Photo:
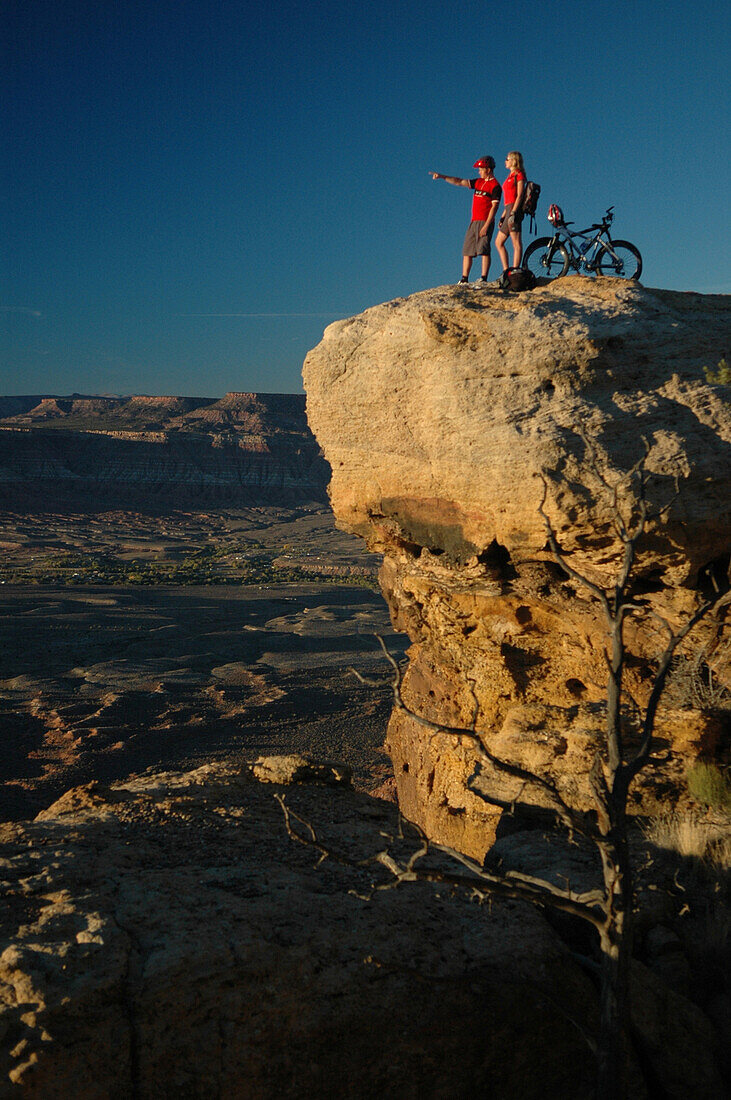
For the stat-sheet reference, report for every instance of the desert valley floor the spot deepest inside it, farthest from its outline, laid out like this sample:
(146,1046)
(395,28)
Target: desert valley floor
(100,680)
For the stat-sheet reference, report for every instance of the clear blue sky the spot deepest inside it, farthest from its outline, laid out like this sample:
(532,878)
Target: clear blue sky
(192,189)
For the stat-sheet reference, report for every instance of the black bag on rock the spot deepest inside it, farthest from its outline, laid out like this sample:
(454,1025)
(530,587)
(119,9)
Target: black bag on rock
(517,278)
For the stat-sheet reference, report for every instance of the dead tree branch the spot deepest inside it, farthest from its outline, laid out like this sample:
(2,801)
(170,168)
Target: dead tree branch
(478,882)
(569,817)
(607,908)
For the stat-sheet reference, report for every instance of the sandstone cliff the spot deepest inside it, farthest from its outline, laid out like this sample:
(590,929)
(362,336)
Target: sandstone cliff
(442,416)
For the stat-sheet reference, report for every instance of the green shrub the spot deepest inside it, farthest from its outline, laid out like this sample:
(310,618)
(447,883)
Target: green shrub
(721,376)
(711,786)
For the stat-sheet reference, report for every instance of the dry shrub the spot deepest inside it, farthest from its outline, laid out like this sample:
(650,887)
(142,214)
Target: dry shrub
(721,376)
(693,837)
(695,683)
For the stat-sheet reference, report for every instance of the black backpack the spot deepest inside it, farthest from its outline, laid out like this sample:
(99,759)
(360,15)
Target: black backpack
(530,202)
(517,278)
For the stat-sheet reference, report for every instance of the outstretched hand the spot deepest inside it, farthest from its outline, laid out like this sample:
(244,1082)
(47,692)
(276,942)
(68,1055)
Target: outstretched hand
(435,175)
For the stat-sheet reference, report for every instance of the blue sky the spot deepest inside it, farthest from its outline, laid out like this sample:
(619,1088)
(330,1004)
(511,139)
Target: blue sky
(191,191)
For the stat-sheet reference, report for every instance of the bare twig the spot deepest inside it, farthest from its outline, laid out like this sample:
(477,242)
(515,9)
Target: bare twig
(511,884)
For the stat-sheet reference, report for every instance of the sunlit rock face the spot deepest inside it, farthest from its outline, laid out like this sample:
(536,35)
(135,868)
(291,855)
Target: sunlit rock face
(445,418)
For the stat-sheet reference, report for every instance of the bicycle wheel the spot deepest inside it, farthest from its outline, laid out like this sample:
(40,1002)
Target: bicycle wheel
(546,260)
(623,261)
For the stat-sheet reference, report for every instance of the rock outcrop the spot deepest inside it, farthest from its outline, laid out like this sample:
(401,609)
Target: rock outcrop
(164,938)
(445,417)
(181,451)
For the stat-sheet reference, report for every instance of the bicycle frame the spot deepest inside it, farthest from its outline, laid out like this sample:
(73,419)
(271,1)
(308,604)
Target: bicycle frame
(581,255)
(585,251)
(585,254)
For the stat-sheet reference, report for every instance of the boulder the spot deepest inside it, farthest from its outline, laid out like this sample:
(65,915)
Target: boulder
(447,418)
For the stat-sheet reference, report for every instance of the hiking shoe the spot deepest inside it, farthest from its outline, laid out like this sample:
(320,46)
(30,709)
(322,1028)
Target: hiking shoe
(463,281)
(481,282)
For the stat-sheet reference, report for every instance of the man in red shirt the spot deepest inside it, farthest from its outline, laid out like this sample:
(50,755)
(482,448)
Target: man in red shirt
(486,199)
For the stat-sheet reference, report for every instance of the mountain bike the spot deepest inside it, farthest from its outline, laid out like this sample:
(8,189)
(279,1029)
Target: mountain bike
(591,251)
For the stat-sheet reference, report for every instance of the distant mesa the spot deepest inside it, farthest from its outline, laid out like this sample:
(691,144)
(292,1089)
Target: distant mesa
(31,409)
(169,450)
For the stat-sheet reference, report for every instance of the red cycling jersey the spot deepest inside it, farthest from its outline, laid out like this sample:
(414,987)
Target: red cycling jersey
(510,187)
(486,193)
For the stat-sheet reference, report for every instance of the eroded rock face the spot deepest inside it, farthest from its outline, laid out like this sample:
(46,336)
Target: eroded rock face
(163,937)
(445,417)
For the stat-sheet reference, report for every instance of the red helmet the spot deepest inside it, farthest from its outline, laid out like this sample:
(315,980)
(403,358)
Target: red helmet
(555,214)
(484,162)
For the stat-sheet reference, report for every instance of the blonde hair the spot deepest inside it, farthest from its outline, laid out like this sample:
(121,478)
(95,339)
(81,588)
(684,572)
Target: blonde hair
(516,161)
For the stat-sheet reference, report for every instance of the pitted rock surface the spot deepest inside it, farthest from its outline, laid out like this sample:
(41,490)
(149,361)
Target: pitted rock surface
(164,937)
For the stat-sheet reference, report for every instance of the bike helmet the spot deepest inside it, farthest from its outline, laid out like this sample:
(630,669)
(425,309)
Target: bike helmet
(555,214)
(484,162)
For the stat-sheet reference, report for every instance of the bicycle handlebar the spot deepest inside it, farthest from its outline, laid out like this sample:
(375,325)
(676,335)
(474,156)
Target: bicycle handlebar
(603,224)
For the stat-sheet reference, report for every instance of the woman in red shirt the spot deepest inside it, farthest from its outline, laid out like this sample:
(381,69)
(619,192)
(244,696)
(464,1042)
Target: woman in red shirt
(512,216)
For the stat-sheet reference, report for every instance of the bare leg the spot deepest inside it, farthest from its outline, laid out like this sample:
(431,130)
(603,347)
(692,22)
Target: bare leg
(517,243)
(501,249)
(485,265)
(466,265)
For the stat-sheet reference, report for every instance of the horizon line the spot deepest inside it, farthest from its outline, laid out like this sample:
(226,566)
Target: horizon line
(339,314)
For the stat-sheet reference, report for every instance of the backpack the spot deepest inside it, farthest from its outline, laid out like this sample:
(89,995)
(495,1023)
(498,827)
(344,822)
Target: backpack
(517,278)
(530,202)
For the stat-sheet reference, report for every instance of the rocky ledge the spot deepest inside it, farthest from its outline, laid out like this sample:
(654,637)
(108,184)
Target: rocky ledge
(445,417)
(163,937)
